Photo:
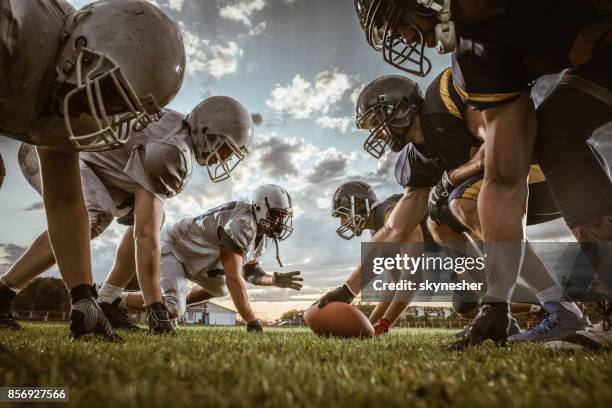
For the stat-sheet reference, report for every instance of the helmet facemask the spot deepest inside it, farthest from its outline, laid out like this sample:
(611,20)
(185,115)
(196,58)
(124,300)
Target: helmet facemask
(357,219)
(211,151)
(387,124)
(380,20)
(278,222)
(102,92)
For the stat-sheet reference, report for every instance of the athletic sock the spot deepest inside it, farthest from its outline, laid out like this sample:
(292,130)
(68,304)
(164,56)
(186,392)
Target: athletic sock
(124,298)
(109,293)
(552,294)
(551,300)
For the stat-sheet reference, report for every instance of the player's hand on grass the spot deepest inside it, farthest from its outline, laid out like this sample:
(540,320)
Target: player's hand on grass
(290,280)
(254,326)
(439,198)
(382,326)
(341,294)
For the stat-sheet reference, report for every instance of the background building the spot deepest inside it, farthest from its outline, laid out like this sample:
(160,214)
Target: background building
(210,314)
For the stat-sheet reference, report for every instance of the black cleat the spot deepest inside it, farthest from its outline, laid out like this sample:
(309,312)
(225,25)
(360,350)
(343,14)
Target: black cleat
(86,317)
(491,323)
(7,321)
(159,319)
(117,316)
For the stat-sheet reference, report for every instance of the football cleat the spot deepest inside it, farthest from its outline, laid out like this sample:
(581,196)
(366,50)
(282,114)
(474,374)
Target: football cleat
(117,316)
(554,326)
(86,317)
(159,319)
(596,337)
(7,321)
(491,323)
(514,329)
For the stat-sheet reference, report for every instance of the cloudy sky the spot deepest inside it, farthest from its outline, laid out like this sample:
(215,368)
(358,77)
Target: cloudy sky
(297,65)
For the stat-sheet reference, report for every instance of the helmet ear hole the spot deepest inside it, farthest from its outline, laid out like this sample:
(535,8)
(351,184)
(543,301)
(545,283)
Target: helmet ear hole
(80,42)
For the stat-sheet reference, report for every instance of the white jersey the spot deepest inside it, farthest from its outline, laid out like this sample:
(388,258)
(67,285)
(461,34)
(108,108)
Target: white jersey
(195,242)
(159,158)
(30,33)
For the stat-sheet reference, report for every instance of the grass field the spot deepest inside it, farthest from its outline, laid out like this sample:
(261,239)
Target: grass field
(226,367)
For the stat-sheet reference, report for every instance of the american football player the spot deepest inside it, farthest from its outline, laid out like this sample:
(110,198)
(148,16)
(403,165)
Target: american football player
(78,81)
(218,249)
(498,49)
(132,182)
(436,135)
(356,205)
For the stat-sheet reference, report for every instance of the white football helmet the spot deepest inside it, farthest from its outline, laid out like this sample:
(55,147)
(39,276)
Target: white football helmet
(120,62)
(273,212)
(221,130)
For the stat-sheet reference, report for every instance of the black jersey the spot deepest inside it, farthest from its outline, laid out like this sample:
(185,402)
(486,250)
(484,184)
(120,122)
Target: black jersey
(498,58)
(383,211)
(447,137)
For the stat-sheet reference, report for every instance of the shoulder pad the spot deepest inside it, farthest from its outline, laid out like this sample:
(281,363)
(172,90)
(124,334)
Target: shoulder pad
(168,164)
(241,227)
(414,169)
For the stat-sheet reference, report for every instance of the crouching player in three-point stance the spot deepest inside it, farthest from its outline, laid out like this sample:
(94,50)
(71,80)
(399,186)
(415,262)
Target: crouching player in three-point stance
(133,182)
(215,250)
(76,81)
(356,206)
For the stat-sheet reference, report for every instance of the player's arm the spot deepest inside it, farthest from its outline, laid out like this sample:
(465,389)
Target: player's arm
(231,260)
(254,274)
(148,217)
(469,169)
(405,218)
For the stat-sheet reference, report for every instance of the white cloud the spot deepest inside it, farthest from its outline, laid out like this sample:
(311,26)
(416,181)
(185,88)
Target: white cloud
(258,29)
(241,10)
(301,99)
(175,4)
(340,124)
(215,59)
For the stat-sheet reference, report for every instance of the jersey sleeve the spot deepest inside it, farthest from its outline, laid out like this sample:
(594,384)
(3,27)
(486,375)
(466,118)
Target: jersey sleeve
(241,230)
(487,75)
(414,169)
(162,168)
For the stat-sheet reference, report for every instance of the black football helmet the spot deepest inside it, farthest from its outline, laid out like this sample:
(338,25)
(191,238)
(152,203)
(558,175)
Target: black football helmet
(356,200)
(380,19)
(387,106)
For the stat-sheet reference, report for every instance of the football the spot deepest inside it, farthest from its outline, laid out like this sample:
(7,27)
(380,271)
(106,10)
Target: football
(338,319)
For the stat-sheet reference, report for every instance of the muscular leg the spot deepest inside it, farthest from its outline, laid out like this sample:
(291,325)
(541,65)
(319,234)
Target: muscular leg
(67,217)
(502,203)
(36,260)
(124,266)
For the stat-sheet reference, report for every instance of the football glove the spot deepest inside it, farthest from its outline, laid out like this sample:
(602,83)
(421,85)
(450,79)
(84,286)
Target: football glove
(341,294)
(254,326)
(439,198)
(289,280)
(382,327)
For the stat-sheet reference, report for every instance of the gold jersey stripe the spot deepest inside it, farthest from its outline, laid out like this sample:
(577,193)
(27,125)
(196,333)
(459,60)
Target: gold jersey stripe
(484,97)
(445,94)
(536,175)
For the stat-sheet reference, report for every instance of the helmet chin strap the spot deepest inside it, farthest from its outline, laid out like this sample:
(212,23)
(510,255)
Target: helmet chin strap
(446,36)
